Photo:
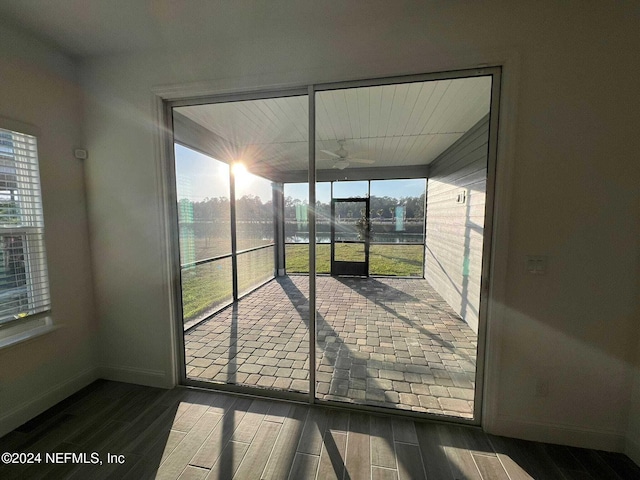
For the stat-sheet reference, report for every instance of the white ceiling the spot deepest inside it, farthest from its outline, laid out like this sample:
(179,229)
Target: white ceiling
(84,28)
(397,125)
(393,125)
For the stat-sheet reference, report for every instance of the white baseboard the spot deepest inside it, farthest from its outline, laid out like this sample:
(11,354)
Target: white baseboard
(23,413)
(139,376)
(632,450)
(572,435)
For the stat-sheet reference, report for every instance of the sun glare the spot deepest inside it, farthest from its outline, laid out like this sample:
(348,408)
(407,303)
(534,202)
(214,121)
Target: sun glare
(240,173)
(239,169)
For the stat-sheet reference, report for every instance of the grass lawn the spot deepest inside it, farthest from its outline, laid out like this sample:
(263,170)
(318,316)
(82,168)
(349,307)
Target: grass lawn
(208,286)
(398,259)
(205,287)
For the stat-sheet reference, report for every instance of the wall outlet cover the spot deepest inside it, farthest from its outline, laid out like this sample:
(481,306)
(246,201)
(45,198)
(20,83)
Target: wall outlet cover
(536,264)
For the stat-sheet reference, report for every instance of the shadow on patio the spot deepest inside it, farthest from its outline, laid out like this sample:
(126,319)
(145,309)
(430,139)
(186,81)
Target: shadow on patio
(386,342)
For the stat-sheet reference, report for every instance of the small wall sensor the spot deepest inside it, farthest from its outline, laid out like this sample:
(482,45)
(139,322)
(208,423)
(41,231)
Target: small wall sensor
(80,154)
(536,264)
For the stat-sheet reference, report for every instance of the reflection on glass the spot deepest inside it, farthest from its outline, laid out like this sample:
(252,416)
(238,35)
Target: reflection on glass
(323,212)
(202,185)
(13,274)
(397,211)
(254,211)
(254,268)
(296,203)
(296,212)
(350,221)
(261,340)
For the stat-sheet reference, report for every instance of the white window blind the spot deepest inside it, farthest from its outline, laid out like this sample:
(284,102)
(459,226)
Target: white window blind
(24,284)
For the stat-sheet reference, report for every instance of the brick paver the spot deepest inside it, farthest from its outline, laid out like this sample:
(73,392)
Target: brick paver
(381,341)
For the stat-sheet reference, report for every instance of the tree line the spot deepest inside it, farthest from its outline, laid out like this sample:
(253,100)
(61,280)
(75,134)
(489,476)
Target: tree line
(251,208)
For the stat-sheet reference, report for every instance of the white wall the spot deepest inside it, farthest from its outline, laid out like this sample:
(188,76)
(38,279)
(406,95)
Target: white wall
(38,86)
(568,153)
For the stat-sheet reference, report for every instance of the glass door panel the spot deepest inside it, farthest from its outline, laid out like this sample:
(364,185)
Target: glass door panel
(398,340)
(204,234)
(261,340)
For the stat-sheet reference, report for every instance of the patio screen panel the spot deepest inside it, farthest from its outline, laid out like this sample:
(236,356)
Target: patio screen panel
(24,283)
(254,268)
(202,185)
(204,227)
(254,211)
(206,288)
(397,211)
(254,231)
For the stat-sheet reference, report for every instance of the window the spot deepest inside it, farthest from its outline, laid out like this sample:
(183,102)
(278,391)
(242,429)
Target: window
(24,285)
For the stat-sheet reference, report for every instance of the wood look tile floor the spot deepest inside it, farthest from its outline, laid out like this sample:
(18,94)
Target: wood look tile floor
(191,434)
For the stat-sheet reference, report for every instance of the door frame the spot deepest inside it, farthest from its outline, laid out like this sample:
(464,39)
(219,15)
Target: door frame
(492,285)
(355,268)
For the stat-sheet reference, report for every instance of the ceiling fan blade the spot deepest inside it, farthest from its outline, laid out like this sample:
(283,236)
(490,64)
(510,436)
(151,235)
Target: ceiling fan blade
(341,164)
(361,160)
(329,152)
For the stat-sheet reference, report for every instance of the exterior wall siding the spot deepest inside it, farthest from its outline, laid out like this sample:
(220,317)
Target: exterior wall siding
(454,231)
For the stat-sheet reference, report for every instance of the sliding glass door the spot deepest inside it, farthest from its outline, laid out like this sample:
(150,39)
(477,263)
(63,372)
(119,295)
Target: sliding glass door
(386,336)
(332,241)
(244,326)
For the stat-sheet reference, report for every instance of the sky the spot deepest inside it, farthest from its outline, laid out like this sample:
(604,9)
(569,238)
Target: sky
(199,176)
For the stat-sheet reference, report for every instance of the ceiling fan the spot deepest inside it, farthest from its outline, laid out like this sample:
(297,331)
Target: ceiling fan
(343,158)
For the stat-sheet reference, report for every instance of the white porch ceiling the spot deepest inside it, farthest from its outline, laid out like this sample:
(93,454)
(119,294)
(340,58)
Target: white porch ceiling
(393,125)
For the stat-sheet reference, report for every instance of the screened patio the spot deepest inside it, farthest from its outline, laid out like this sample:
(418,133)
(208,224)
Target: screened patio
(385,247)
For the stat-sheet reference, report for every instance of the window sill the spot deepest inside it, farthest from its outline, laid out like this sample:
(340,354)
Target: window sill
(17,338)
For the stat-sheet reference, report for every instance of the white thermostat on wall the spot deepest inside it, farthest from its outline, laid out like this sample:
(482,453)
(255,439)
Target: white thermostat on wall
(80,154)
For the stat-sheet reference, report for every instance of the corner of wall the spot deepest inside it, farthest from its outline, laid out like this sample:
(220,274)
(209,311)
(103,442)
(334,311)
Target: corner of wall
(22,413)
(138,376)
(577,436)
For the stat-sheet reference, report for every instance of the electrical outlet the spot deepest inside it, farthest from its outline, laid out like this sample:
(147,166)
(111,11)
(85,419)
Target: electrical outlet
(461,197)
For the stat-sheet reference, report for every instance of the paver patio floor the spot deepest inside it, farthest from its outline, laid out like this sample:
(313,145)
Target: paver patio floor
(380,341)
